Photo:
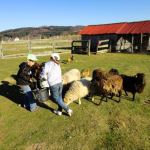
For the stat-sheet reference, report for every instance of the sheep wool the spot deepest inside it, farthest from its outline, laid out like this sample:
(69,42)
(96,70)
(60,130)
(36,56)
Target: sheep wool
(77,90)
(113,84)
(71,75)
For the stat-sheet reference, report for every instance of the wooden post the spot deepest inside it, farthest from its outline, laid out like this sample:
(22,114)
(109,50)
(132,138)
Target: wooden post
(110,46)
(132,42)
(1,53)
(53,47)
(72,48)
(141,42)
(89,47)
(124,43)
(97,47)
(148,48)
(29,47)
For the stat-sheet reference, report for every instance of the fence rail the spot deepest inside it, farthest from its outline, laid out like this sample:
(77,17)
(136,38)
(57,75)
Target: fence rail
(82,48)
(15,49)
(103,46)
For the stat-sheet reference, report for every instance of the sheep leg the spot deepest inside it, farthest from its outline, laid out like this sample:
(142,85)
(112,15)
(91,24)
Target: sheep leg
(92,96)
(133,97)
(120,94)
(106,99)
(79,101)
(112,95)
(126,93)
(101,100)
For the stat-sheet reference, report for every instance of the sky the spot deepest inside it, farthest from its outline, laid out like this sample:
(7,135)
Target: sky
(36,13)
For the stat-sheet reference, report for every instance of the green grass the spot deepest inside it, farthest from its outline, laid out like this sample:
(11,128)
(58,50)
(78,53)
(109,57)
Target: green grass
(124,125)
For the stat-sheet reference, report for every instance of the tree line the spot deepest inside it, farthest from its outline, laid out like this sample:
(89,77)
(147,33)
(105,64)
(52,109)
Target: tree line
(44,31)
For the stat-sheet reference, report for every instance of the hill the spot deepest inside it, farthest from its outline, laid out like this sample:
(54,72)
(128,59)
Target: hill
(43,31)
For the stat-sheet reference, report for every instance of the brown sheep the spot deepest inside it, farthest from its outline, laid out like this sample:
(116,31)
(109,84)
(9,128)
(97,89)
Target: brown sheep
(111,85)
(99,74)
(113,72)
(134,84)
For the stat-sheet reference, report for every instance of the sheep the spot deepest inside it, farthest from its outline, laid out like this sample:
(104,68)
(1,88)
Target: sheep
(68,78)
(99,74)
(113,72)
(66,88)
(134,84)
(71,75)
(103,87)
(77,90)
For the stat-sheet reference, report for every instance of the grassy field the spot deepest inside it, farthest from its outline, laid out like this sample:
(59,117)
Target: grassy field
(111,126)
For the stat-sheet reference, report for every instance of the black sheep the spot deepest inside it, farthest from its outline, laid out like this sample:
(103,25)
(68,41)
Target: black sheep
(134,84)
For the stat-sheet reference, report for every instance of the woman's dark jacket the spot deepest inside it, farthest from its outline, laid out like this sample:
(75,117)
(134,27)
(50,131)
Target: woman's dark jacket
(24,74)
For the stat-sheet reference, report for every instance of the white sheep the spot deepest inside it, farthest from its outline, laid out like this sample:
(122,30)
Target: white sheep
(77,90)
(44,83)
(71,75)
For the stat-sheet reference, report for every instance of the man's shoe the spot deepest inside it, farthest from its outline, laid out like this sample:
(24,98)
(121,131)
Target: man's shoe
(70,112)
(58,112)
(35,109)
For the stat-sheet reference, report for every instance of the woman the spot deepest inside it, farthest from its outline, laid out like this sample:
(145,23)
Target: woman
(24,79)
(53,71)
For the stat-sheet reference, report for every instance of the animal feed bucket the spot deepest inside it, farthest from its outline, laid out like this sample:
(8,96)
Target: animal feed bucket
(41,95)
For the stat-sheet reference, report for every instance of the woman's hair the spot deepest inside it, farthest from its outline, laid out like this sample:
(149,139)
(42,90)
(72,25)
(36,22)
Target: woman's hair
(55,59)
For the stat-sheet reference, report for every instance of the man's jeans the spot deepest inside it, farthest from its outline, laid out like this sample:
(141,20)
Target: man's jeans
(29,98)
(56,91)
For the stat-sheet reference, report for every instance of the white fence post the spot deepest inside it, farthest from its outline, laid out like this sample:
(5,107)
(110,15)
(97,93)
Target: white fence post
(53,44)
(29,46)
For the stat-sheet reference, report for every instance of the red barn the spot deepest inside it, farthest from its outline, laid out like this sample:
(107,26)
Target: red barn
(126,36)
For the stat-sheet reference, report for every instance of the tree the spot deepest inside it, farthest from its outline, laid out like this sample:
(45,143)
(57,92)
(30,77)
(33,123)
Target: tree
(1,37)
(42,37)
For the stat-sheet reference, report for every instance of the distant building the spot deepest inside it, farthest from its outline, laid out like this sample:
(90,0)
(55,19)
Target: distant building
(133,35)
(16,39)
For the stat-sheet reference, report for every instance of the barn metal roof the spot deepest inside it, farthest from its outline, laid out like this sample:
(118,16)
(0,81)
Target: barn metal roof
(117,28)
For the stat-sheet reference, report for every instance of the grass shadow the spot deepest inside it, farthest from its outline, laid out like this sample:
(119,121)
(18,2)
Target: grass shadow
(15,94)
(11,92)
(64,62)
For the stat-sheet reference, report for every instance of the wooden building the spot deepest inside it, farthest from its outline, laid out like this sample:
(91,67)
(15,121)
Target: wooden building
(131,37)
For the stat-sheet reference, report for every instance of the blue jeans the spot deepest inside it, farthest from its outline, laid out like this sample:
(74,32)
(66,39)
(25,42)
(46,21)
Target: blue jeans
(29,98)
(56,92)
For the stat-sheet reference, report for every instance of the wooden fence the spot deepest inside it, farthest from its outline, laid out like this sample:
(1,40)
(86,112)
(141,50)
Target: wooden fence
(82,47)
(17,49)
(103,46)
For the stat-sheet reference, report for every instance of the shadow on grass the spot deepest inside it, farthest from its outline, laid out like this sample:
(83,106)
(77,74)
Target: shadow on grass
(127,97)
(109,98)
(64,62)
(11,92)
(15,94)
